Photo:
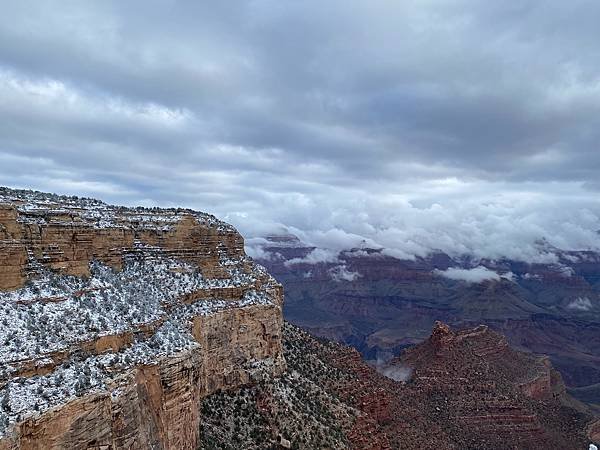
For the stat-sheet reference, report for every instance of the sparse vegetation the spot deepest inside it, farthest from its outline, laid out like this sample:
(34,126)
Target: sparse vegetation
(296,406)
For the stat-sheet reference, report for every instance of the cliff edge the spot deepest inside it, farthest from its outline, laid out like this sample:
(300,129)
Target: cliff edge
(116,322)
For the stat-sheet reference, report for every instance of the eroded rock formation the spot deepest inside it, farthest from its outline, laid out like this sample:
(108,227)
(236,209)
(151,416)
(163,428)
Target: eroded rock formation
(484,394)
(117,322)
(457,390)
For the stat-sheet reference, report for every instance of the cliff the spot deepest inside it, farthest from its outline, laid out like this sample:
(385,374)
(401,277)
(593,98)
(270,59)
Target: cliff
(117,322)
(484,394)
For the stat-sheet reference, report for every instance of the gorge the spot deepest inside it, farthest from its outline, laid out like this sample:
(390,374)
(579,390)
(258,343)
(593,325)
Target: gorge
(147,328)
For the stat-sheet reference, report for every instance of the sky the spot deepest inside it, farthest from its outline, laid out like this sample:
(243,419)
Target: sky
(470,127)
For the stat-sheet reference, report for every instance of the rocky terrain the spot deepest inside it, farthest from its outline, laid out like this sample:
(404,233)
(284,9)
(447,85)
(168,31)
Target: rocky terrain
(135,328)
(117,322)
(457,390)
(381,304)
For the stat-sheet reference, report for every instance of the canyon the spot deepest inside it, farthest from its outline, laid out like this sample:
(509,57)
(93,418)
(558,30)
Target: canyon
(381,304)
(459,389)
(137,328)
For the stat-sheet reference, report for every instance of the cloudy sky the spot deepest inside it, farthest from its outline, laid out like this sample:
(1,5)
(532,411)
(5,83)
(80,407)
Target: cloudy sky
(467,126)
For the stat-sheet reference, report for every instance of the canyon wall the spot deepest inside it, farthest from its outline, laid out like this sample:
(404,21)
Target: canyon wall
(117,322)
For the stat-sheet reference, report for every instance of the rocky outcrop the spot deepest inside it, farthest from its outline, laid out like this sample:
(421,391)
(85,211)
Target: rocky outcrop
(471,380)
(593,431)
(305,407)
(65,234)
(117,322)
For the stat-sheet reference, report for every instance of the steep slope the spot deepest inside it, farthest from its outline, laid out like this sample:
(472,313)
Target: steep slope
(485,394)
(457,390)
(116,322)
(301,407)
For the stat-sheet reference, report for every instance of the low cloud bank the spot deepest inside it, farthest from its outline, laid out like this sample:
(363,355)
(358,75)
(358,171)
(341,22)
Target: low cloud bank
(475,275)
(397,373)
(580,304)
(318,255)
(341,273)
(533,229)
(257,252)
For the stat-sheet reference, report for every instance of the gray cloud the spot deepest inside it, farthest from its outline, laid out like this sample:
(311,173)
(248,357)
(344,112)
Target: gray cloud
(464,126)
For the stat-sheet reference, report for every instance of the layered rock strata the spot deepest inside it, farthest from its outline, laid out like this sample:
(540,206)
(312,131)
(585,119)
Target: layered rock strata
(117,322)
(487,395)
(458,390)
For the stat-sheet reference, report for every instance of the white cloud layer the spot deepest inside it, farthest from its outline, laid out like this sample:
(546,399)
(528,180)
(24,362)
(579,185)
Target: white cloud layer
(527,226)
(477,274)
(397,372)
(342,273)
(316,256)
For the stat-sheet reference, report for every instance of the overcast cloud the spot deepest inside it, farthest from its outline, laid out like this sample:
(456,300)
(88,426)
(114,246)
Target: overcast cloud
(466,126)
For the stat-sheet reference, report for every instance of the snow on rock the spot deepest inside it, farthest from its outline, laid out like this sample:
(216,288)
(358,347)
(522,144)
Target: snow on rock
(108,302)
(41,208)
(98,291)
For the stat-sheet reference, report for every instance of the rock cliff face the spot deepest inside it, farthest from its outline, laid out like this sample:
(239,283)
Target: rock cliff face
(117,322)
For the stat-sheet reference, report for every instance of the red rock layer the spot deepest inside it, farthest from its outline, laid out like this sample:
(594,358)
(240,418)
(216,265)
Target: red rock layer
(467,390)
